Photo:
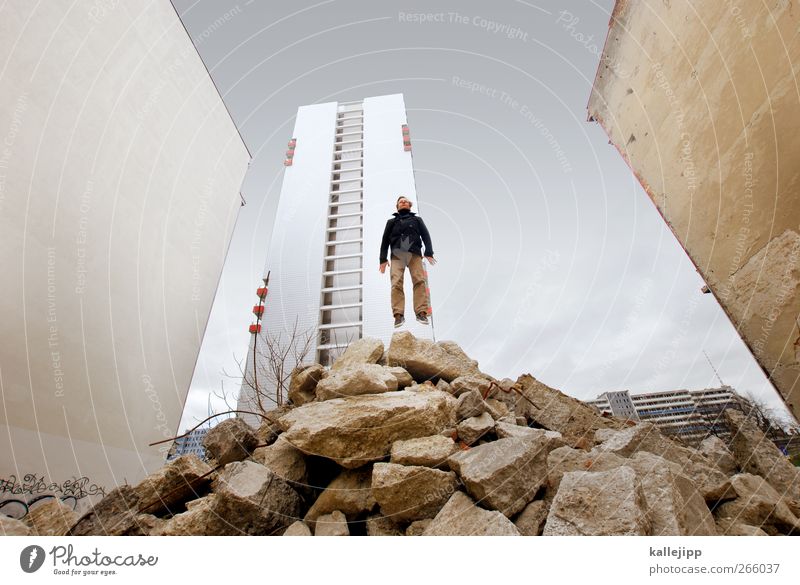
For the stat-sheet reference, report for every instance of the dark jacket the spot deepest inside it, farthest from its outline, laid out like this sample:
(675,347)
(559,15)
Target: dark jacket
(403,233)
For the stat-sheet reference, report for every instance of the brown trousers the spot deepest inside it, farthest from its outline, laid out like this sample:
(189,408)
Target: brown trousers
(398,266)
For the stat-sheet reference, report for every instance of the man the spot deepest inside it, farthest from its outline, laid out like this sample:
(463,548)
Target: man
(404,232)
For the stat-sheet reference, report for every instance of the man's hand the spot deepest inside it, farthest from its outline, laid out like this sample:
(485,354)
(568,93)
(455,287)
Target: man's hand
(383,267)
(430,259)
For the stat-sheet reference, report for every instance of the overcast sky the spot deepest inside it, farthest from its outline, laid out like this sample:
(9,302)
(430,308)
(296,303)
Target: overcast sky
(552,259)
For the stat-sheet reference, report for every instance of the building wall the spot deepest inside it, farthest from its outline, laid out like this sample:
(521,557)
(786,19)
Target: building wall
(701,100)
(120,171)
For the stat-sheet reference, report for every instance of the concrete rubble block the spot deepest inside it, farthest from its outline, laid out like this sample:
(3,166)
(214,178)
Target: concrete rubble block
(598,503)
(418,527)
(461,517)
(407,493)
(755,453)
(284,460)
(431,451)
(717,452)
(444,386)
(180,479)
(231,440)
(269,430)
(565,459)
(556,411)
(13,527)
(357,430)
(50,518)
(496,408)
(298,528)
(333,524)
(470,404)
(464,384)
(115,514)
(382,526)
(253,500)
(530,522)
(673,503)
(758,504)
(646,437)
(729,527)
(424,359)
(505,430)
(303,384)
(523,422)
(350,493)
(366,350)
(403,378)
(474,428)
(503,475)
(355,381)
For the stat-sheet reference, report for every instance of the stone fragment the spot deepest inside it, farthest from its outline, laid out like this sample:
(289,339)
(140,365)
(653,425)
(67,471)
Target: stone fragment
(231,440)
(729,527)
(464,384)
(424,359)
(248,498)
(598,503)
(756,454)
(523,422)
(383,526)
(418,527)
(470,404)
(503,475)
(443,386)
(717,452)
(13,527)
(114,515)
(333,524)
(404,379)
(366,350)
(355,381)
(408,493)
(530,522)
(180,479)
(303,384)
(565,459)
(461,517)
(284,460)
(50,518)
(505,430)
(472,429)
(298,528)
(350,493)
(496,408)
(431,451)
(556,411)
(357,430)
(758,504)
(673,504)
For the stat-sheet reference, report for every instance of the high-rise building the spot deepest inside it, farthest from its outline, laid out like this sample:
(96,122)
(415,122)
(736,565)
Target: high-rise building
(189,444)
(347,164)
(688,414)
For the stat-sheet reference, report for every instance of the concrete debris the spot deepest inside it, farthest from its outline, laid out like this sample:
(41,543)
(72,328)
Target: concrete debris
(417,441)
(13,527)
(231,440)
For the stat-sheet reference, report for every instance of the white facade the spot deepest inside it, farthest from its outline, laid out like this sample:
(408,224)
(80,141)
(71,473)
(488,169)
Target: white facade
(348,169)
(120,171)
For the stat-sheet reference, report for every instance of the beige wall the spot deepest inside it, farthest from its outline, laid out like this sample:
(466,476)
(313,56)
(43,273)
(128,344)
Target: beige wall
(702,101)
(120,171)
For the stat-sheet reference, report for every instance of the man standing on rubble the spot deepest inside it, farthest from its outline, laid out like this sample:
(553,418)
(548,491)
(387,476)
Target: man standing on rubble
(405,233)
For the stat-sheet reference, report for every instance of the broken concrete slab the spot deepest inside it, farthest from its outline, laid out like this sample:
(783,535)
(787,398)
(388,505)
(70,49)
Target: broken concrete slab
(355,381)
(303,383)
(461,517)
(431,451)
(366,350)
(474,428)
(407,493)
(424,359)
(231,440)
(333,524)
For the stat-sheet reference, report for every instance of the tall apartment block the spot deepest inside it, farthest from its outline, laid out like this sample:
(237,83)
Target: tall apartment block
(687,414)
(347,164)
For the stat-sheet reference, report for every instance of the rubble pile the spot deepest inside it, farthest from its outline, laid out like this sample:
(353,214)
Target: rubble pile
(417,441)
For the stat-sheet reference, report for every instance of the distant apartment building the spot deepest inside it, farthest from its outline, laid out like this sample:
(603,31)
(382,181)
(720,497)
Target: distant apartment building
(689,415)
(191,443)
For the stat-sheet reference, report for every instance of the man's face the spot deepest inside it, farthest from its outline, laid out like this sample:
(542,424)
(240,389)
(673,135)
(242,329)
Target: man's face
(403,203)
